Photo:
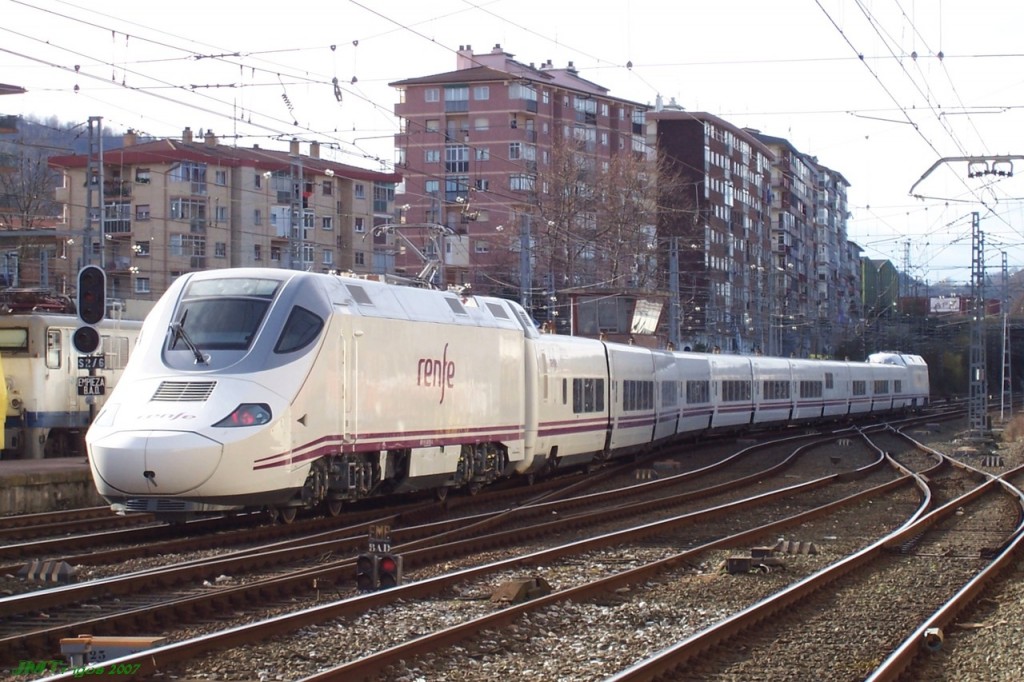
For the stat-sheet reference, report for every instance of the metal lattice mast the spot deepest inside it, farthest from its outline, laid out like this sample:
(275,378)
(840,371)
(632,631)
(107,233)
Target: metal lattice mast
(1006,398)
(977,408)
(94,190)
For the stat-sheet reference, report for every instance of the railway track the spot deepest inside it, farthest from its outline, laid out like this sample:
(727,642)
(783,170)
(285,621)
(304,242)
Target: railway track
(441,555)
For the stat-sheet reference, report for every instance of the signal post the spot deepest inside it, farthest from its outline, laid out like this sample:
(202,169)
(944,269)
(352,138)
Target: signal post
(92,308)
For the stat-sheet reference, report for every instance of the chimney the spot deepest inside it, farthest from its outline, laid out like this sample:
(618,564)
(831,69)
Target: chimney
(571,69)
(186,134)
(210,139)
(130,138)
(293,147)
(465,57)
(314,150)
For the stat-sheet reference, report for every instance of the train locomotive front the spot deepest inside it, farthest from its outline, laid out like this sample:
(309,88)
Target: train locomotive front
(209,393)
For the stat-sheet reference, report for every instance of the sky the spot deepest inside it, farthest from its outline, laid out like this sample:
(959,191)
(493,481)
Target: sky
(893,94)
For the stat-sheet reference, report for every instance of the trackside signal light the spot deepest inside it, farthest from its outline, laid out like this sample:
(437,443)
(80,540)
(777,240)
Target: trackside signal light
(389,571)
(366,572)
(92,294)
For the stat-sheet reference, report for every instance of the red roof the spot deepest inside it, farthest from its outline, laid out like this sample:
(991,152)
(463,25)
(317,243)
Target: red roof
(171,151)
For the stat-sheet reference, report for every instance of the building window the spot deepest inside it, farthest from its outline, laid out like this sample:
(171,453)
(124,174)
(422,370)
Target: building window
(515,151)
(275,253)
(481,123)
(222,214)
(545,97)
(481,92)
(483,153)
(456,159)
(521,183)
(307,254)
(456,98)
(360,225)
(482,184)
(187,245)
(191,172)
(220,250)
(257,216)
(433,125)
(455,187)
(432,156)
(432,187)
(359,258)
(481,246)
(328,187)
(188,209)
(142,211)
(431,95)
(328,257)
(359,190)
(257,252)
(142,176)
(141,249)
(142,285)
(220,177)
(257,180)
(327,222)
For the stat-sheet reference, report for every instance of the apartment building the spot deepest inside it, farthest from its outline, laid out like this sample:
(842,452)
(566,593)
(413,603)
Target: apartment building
(814,277)
(173,206)
(720,224)
(480,148)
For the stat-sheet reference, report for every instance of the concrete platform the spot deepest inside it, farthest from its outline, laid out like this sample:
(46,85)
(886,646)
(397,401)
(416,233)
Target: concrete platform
(28,486)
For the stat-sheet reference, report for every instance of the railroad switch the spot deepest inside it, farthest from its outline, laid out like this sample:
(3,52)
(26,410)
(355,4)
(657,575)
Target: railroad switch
(522,590)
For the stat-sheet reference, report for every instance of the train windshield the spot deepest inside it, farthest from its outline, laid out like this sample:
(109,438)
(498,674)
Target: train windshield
(222,314)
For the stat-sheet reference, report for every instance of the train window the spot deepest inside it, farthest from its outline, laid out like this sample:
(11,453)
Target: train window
(565,392)
(829,380)
(299,331)
(115,351)
(14,339)
(456,306)
(359,294)
(810,389)
(881,386)
(775,390)
(219,323)
(497,311)
(587,395)
(734,391)
(637,395)
(232,286)
(669,394)
(859,387)
(897,386)
(698,391)
(53,346)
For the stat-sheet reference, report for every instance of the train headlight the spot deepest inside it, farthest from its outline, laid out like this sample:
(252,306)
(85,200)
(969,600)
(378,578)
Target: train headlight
(247,414)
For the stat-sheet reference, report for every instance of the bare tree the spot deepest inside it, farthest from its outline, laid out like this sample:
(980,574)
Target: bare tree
(26,188)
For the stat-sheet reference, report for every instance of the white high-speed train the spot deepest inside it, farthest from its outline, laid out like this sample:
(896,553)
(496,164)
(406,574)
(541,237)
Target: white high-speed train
(275,388)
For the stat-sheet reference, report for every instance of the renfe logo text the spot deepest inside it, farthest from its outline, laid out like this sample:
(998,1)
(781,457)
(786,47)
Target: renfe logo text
(433,372)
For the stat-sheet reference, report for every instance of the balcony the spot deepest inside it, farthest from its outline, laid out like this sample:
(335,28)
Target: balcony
(117,188)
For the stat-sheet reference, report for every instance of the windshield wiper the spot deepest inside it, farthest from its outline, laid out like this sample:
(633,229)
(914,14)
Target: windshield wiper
(178,329)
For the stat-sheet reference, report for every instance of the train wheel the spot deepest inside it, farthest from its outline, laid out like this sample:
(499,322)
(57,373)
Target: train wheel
(334,507)
(288,514)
